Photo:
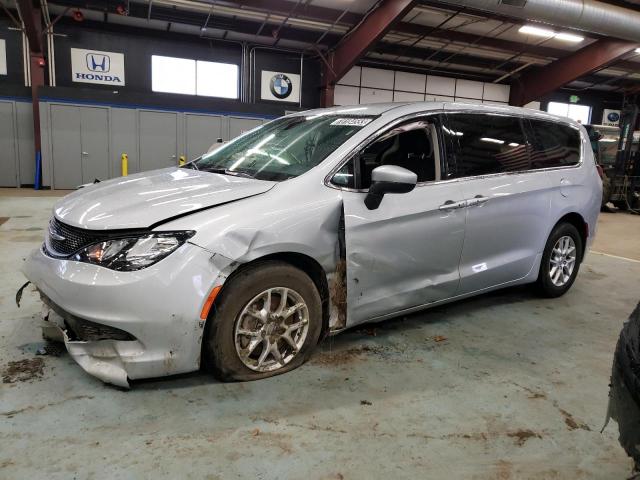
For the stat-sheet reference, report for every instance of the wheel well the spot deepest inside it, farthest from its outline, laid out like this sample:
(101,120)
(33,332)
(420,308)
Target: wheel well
(577,221)
(309,266)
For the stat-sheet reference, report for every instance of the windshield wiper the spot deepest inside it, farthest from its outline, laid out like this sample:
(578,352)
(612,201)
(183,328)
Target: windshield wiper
(226,171)
(191,164)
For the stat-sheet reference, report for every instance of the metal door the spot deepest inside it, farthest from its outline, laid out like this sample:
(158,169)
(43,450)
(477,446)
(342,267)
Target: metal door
(202,132)
(94,134)
(507,224)
(507,203)
(66,146)
(237,126)
(403,254)
(158,140)
(8,157)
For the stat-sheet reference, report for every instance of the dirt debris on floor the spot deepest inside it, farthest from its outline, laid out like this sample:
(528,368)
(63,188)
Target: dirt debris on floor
(24,370)
(521,436)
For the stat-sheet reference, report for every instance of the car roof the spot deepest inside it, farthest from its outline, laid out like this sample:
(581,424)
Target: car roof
(404,108)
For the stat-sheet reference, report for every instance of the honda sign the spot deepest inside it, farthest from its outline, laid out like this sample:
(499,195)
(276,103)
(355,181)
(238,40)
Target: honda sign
(93,66)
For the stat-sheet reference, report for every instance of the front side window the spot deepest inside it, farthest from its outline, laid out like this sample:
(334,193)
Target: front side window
(282,149)
(554,144)
(411,145)
(482,144)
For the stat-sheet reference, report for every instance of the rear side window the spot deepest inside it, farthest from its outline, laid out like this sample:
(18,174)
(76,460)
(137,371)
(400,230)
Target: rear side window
(482,144)
(554,144)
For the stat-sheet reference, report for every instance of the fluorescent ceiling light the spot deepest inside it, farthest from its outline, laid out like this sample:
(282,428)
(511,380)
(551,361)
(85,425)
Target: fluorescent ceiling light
(492,140)
(637,50)
(547,33)
(569,37)
(537,31)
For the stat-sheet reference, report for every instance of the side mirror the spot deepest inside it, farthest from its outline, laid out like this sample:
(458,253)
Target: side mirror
(388,179)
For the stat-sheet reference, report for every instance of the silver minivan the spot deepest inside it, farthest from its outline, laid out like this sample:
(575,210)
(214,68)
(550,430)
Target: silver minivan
(244,259)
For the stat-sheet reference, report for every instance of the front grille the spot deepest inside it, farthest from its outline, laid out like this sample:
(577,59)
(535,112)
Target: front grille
(85,330)
(64,240)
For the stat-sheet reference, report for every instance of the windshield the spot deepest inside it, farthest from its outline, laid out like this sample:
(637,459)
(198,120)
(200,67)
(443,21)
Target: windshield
(282,149)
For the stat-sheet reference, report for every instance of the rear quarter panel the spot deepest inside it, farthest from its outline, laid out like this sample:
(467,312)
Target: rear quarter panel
(583,192)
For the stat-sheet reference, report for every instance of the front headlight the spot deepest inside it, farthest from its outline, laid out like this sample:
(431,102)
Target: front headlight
(133,253)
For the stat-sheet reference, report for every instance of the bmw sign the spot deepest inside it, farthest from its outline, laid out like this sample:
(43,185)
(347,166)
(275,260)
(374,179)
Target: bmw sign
(280,87)
(93,66)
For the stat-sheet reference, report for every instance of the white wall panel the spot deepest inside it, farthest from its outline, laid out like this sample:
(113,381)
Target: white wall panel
(410,82)
(408,97)
(371,95)
(344,95)
(443,98)
(377,78)
(533,105)
(469,89)
(468,100)
(496,92)
(441,85)
(352,77)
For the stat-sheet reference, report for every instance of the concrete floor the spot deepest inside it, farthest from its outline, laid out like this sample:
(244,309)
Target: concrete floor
(503,386)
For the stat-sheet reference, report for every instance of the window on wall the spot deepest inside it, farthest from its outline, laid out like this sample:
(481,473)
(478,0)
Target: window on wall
(579,113)
(194,77)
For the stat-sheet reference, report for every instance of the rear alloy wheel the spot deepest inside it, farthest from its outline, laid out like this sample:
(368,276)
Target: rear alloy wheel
(560,260)
(266,321)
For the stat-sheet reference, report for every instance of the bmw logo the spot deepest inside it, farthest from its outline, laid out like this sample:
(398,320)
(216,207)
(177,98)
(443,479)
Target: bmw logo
(613,117)
(281,86)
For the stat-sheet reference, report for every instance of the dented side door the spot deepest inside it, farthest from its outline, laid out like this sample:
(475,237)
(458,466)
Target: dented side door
(405,253)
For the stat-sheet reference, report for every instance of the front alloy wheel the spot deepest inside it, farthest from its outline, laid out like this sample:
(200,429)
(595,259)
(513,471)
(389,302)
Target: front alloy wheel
(266,320)
(271,329)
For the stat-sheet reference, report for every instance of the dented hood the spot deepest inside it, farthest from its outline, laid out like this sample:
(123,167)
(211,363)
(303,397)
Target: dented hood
(145,199)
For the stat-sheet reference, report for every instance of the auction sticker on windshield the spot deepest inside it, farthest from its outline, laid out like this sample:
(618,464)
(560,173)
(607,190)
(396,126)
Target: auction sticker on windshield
(354,122)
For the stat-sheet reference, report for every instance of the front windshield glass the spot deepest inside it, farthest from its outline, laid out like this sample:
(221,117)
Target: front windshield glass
(284,148)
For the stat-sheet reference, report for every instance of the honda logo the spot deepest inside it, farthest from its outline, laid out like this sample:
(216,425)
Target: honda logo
(97,62)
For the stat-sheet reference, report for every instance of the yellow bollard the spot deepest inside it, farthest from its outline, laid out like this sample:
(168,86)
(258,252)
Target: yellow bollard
(182,160)
(124,159)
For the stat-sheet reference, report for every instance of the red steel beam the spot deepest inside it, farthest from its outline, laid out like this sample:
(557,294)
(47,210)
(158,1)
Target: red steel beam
(534,85)
(361,39)
(32,19)
(327,14)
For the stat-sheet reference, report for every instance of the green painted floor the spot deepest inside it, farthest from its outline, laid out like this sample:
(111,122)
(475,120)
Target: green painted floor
(503,386)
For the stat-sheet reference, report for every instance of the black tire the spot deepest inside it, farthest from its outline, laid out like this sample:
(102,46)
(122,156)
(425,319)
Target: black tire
(544,284)
(220,355)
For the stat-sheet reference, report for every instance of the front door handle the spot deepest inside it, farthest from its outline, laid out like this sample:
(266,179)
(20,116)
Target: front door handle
(477,200)
(451,205)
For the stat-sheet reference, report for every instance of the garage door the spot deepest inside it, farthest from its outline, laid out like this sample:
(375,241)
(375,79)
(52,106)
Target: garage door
(80,145)
(158,140)
(237,125)
(202,132)
(8,160)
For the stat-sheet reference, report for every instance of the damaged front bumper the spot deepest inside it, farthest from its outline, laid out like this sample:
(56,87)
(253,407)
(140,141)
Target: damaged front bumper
(127,325)
(103,358)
